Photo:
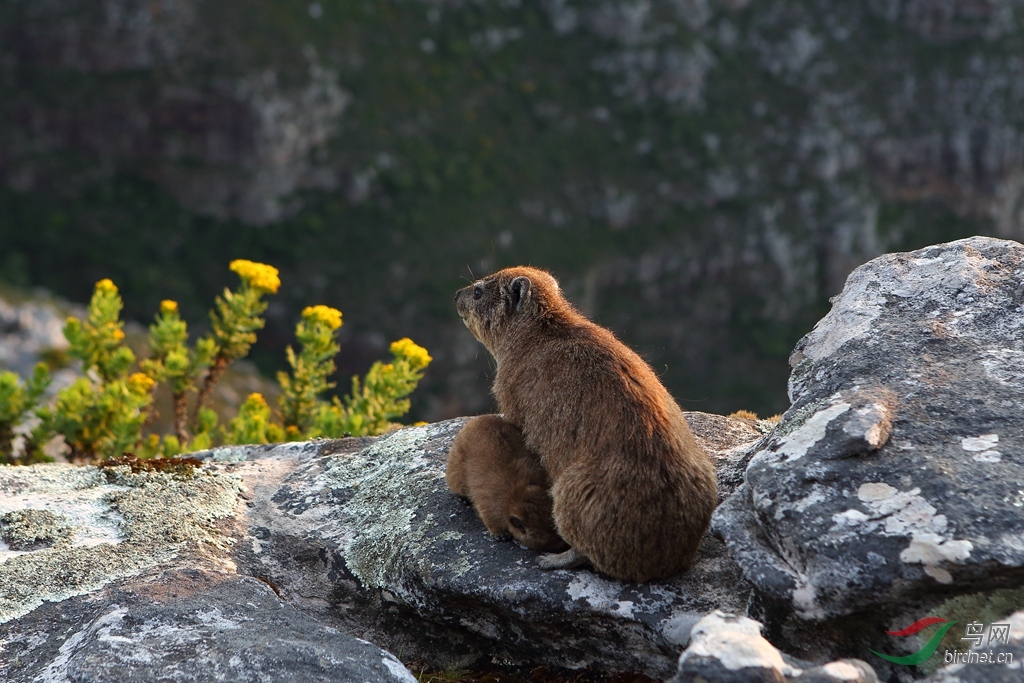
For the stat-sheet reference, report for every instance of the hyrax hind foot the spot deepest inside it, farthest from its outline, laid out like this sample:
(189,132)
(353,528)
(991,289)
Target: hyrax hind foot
(570,559)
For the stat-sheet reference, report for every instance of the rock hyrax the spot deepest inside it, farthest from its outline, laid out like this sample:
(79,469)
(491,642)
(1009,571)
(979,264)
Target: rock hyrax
(490,464)
(632,491)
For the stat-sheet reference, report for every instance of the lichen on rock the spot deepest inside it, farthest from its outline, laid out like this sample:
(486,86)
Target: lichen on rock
(31,528)
(897,468)
(117,524)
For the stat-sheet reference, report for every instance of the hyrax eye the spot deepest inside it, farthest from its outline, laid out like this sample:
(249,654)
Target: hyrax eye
(477,292)
(516,522)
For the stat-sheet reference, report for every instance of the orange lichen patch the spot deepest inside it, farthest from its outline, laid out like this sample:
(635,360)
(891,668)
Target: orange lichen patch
(743,415)
(177,466)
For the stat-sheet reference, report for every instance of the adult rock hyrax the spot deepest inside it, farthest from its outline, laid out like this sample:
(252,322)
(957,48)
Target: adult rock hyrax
(632,491)
(490,464)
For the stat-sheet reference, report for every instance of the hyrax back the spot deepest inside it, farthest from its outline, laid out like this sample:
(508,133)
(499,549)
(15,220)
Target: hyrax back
(490,464)
(632,490)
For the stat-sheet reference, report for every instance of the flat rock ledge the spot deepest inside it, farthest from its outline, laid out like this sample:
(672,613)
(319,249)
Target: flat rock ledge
(261,563)
(373,538)
(895,477)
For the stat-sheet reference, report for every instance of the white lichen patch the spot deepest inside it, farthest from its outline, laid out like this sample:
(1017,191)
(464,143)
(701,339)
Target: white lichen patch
(735,642)
(602,595)
(892,512)
(979,443)
(796,444)
(124,522)
(982,447)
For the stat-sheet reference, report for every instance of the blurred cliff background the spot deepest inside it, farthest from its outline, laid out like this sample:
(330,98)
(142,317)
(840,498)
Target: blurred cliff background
(701,174)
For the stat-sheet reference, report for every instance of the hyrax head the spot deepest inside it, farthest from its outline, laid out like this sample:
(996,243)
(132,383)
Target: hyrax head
(530,520)
(510,298)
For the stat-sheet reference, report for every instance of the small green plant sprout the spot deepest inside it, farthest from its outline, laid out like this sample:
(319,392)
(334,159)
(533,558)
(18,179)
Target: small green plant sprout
(236,318)
(299,402)
(379,398)
(252,425)
(177,365)
(17,401)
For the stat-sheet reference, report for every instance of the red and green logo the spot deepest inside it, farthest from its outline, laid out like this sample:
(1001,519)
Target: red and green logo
(929,648)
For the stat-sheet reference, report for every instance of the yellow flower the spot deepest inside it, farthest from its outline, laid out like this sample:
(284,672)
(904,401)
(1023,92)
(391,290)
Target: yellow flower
(139,383)
(414,353)
(117,334)
(168,306)
(256,399)
(106,286)
(323,314)
(259,275)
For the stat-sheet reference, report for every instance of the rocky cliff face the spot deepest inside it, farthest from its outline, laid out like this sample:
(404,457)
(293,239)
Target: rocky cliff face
(702,174)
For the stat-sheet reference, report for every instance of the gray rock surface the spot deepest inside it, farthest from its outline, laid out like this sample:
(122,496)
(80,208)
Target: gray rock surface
(727,648)
(375,539)
(109,575)
(32,328)
(260,563)
(896,473)
(186,625)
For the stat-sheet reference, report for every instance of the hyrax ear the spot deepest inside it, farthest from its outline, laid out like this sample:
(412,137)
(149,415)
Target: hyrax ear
(518,292)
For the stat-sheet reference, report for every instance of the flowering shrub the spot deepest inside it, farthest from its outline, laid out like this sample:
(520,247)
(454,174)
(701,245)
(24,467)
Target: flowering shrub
(379,398)
(105,412)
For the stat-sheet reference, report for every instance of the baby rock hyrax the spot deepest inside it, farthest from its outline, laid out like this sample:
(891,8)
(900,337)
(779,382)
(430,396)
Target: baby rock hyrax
(632,491)
(490,464)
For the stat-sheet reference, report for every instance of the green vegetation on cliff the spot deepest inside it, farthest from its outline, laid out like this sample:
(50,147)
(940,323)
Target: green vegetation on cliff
(700,174)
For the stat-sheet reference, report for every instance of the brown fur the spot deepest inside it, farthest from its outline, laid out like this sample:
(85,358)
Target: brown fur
(490,464)
(632,490)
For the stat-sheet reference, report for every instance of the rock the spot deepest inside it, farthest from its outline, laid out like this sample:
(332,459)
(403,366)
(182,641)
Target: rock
(279,551)
(726,648)
(1002,663)
(32,528)
(730,442)
(186,625)
(375,538)
(115,575)
(896,473)
(32,329)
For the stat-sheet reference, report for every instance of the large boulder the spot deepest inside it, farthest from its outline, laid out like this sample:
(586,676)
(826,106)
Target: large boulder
(896,474)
